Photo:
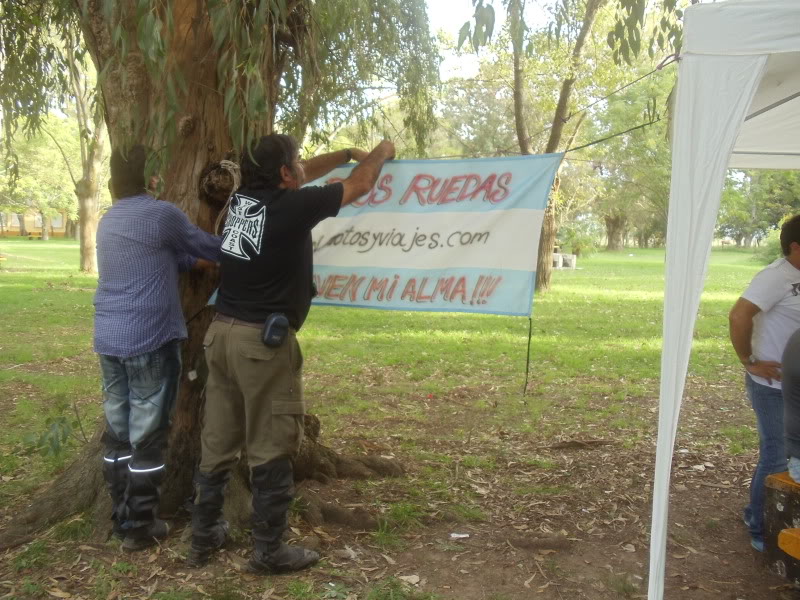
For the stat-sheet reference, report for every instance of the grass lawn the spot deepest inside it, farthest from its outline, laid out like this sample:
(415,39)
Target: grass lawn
(442,393)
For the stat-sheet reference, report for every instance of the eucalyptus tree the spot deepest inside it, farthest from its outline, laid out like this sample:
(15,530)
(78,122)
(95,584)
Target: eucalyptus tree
(571,25)
(196,81)
(92,137)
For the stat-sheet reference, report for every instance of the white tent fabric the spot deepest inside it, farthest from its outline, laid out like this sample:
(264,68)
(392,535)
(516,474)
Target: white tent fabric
(738,105)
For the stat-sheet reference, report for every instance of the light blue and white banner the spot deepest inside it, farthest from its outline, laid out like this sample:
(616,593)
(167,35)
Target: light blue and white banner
(438,235)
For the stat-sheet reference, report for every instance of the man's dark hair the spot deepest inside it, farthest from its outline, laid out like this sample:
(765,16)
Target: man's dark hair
(261,167)
(790,232)
(127,171)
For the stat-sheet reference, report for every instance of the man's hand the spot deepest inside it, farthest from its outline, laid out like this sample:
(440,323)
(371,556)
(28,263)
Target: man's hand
(388,149)
(366,172)
(768,369)
(358,154)
(201,264)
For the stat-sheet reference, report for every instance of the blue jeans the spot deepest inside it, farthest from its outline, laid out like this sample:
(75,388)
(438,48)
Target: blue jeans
(138,397)
(767,403)
(139,393)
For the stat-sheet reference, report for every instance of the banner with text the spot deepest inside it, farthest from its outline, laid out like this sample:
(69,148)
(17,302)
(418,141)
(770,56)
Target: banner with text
(438,235)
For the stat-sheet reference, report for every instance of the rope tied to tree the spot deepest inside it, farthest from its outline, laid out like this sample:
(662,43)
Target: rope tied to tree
(235,172)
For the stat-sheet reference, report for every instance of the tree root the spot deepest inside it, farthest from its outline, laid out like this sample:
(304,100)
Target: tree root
(322,464)
(80,488)
(318,463)
(317,511)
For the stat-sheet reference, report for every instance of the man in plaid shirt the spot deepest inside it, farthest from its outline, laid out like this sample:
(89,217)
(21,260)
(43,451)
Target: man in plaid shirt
(142,244)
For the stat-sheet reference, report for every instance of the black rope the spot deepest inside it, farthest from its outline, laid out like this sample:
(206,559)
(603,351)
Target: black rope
(667,61)
(581,147)
(613,135)
(528,359)
(197,314)
(501,152)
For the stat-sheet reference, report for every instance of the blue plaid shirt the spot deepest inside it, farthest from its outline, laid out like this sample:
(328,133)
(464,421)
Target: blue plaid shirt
(142,243)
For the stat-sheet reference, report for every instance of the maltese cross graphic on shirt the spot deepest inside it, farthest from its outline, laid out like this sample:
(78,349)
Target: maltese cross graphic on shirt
(243,224)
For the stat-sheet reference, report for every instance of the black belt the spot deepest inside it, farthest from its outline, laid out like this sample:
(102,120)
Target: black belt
(227,319)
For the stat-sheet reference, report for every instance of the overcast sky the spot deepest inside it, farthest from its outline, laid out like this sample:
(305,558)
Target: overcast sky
(450,15)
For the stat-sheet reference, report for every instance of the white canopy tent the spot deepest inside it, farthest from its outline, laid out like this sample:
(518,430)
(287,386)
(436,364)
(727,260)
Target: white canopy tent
(738,105)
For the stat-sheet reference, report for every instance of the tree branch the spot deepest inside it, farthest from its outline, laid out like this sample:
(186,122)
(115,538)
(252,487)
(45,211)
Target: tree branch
(63,155)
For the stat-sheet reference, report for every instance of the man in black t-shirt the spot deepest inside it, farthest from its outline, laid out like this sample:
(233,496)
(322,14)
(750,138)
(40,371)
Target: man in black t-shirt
(254,393)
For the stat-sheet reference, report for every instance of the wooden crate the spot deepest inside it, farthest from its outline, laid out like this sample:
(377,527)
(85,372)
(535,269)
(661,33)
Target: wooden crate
(782,526)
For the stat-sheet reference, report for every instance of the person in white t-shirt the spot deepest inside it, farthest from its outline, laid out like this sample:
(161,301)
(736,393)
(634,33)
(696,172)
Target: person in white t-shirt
(761,322)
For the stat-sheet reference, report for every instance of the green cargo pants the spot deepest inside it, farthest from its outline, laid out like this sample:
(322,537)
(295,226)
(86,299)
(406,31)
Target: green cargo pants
(254,397)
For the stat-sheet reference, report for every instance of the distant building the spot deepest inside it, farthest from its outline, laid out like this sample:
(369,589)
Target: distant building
(9,224)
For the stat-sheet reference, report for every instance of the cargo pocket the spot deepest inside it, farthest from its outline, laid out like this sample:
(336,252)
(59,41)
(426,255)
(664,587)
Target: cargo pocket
(296,390)
(208,340)
(256,351)
(287,425)
(297,356)
(208,351)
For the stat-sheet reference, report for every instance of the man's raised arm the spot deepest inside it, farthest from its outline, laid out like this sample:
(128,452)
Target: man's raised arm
(365,174)
(321,165)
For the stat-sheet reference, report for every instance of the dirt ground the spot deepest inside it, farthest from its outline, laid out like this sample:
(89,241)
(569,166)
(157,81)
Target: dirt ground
(581,532)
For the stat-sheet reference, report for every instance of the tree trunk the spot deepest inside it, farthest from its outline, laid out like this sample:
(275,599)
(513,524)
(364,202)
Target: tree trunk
(89,110)
(87,222)
(544,266)
(615,229)
(22,229)
(88,192)
(45,227)
(71,229)
(547,239)
(516,14)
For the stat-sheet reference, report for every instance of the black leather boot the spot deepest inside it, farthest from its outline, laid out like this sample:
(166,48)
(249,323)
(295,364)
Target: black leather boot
(146,472)
(209,530)
(115,472)
(273,491)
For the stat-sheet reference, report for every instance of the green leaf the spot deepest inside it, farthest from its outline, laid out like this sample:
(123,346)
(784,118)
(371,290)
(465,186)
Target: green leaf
(639,9)
(172,97)
(230,94)
(463,34)
(116,34)
(678,42)
(489,20)
(625,51)
(635,40)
